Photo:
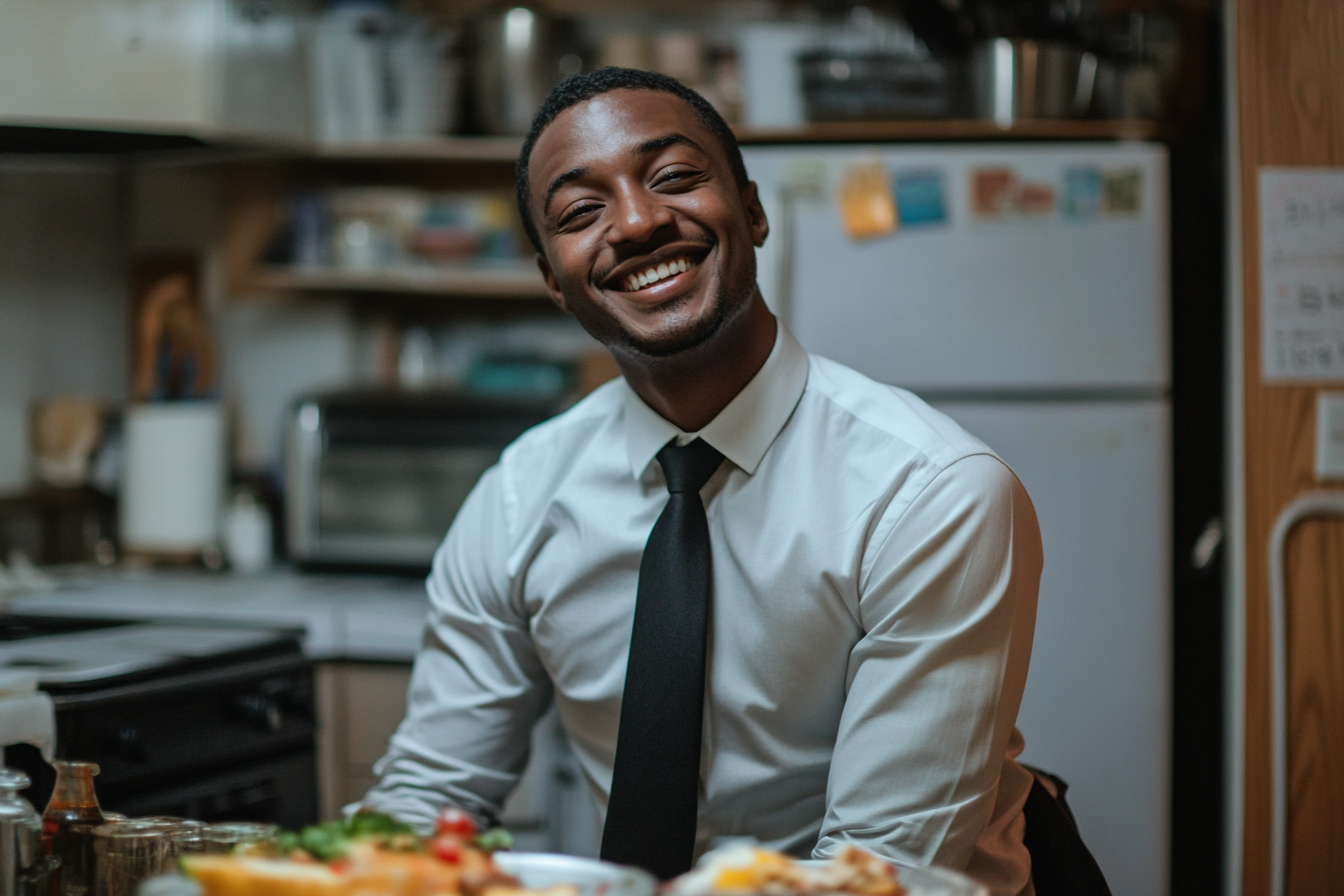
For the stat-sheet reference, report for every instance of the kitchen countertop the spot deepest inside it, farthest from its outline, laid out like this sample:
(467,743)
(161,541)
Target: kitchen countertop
(343,617)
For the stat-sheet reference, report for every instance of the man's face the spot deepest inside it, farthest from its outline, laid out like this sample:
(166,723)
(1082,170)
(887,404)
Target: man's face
(648,239)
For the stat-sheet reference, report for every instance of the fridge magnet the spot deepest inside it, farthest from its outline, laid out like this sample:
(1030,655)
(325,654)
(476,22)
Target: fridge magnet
(866,207)
(919,198)
(993,192)
(1123,191)
(1036,199)
(1082,192)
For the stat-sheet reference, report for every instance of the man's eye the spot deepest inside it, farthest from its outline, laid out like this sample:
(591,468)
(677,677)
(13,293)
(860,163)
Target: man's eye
(575,213)
(676,174)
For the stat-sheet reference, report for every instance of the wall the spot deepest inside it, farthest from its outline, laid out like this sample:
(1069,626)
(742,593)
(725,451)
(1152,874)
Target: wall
(68,232)
(1289,108)
(62,308)
(270,349)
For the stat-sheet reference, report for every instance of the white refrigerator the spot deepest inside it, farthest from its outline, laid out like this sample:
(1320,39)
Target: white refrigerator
(1023,290)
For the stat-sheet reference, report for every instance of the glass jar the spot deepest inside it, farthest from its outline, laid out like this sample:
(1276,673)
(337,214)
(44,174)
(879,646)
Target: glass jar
(128,852)
(69,819)
(229,836)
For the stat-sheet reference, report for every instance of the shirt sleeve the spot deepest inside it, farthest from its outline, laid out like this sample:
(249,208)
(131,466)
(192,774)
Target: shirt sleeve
(948,608)
(478,686)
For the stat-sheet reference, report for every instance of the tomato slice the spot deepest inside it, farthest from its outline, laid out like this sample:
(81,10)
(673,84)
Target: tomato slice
(455,822)
(447,848)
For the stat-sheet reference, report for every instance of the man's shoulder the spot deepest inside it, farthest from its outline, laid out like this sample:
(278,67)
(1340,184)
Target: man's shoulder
(891,413)
(556,442)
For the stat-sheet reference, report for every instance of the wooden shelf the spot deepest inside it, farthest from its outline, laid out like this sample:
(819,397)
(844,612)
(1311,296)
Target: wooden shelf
(954,129)
(505,149)
(430,149)
(514,280)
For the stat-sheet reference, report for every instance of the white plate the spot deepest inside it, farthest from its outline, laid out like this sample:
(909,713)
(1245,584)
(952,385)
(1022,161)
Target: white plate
(926,881)
(594,878)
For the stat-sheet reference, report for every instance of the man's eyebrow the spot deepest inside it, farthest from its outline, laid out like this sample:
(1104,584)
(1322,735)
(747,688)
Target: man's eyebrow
(571,174)
(669,140)
(642,149)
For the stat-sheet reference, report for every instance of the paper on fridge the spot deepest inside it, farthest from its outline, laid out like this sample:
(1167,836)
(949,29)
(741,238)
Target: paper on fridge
(1302,274)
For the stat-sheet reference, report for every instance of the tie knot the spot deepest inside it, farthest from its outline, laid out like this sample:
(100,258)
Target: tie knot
(688,467)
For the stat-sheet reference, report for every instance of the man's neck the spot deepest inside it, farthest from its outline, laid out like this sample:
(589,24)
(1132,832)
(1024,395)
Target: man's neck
(689,390)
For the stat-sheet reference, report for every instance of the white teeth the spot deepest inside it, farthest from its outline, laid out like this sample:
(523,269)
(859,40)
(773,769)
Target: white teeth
(644,278)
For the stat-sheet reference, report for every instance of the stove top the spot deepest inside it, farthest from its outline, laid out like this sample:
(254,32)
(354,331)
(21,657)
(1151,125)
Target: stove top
(67,651)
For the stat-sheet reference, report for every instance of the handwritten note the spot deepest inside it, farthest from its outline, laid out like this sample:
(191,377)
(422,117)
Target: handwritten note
(1302,274)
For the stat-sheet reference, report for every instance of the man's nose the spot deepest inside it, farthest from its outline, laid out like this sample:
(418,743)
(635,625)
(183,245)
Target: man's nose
(639,215)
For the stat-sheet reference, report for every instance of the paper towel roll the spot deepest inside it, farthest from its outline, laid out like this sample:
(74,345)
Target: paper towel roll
(172,482)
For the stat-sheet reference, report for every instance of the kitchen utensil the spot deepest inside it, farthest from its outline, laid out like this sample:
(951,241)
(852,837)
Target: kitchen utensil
(845,86)
(347,72)
(1012,79)
(247,534)
(20,836)
(71,815)
(173,476)
(130,851)
(175,356)
(423,79)
(223,838)
(518,54)
(65,431)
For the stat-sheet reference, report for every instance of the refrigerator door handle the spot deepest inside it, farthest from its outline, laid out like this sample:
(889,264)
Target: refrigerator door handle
(1205,548)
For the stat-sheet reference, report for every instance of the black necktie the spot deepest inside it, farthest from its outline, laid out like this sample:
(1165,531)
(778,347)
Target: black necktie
(656,782)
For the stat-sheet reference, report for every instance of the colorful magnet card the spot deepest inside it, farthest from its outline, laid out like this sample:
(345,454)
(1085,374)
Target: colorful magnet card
(866,206)
(1082,192)
(1123,191)
(920,198)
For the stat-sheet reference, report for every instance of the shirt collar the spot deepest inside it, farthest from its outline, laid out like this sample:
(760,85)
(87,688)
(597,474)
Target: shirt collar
(743,430)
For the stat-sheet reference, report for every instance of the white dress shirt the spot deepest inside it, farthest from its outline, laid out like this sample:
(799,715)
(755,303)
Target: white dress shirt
(874,597)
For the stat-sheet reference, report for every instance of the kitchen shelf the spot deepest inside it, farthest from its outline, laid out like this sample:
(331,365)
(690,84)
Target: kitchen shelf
(429,149)
(514,280)
(956,129)
(505,149)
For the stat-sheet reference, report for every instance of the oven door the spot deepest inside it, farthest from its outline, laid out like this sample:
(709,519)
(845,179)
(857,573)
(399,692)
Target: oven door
(233,739)
(389,506)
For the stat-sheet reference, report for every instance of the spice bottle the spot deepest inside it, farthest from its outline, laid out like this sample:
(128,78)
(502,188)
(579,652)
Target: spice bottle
(21,859)
(68,822)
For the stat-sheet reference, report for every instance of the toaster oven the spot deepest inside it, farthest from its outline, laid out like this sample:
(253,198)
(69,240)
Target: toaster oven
(374,478)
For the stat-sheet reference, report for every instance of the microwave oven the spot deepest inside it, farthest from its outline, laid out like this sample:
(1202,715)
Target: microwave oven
(374,478)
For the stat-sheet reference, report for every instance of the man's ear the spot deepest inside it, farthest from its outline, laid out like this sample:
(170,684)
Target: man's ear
(751,201)
(552,286)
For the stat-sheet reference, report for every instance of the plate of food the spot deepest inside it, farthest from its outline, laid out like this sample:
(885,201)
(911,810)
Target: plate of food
(744,869)
(373,855)
(370,854)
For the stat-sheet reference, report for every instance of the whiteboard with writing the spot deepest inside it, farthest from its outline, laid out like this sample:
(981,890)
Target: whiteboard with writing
(1302,274)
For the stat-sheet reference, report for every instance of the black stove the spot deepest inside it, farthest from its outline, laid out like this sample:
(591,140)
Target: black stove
(214,722)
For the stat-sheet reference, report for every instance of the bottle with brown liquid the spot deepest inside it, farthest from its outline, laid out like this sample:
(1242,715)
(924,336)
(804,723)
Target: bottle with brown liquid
(68,823)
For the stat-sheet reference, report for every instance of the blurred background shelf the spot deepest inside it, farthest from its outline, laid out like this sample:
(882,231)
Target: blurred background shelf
(427,149)
(505,149)
(957,129)
(519,280)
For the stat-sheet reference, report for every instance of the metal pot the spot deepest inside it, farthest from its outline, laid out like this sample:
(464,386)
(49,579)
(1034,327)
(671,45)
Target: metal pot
(520,55)
(1014,79)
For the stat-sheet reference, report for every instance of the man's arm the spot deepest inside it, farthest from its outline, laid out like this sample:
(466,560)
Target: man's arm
(477,688)
(948,607)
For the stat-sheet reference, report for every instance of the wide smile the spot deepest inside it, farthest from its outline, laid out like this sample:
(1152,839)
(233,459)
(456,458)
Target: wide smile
(657,273)
(654,279)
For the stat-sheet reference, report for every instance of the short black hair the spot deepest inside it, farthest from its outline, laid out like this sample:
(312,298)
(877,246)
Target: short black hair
(575,90)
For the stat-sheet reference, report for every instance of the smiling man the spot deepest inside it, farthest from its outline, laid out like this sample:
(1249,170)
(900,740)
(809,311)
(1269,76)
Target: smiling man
(768,596)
